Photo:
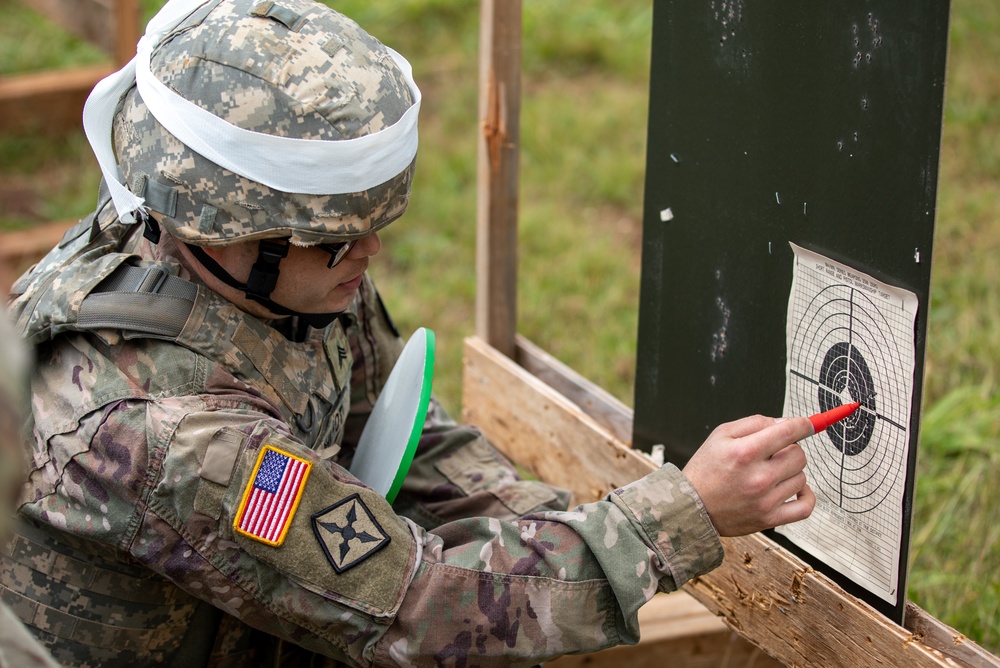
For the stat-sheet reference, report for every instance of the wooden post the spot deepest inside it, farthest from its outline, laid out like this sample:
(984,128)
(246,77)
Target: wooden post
(496,219)
(127,30)
(113,25)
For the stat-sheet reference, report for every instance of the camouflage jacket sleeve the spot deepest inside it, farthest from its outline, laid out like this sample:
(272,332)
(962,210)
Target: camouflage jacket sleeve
(172,481)
(553,582)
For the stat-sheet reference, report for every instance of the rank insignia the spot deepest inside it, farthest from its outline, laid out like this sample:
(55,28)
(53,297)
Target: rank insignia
(272,496)
(338,350)
(348,533)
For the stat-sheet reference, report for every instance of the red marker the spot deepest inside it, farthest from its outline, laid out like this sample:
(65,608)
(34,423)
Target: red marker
(821,421)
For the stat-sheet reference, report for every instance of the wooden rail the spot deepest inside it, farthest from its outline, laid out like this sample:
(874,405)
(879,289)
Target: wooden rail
(47,102)
(52,102)
(19,250)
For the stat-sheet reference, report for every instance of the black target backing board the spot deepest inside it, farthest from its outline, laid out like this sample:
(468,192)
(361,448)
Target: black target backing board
(770,123)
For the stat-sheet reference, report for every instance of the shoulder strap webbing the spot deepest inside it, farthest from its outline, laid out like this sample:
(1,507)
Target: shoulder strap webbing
(148,300)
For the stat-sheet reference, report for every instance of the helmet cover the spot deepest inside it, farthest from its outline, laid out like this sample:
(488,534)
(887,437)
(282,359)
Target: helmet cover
(291,68)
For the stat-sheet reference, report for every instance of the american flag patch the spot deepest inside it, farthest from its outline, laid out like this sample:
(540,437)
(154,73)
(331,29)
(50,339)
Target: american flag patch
(271,497)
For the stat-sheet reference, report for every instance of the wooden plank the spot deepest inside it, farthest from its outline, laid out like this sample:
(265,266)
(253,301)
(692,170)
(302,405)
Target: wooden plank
(800,616)
(127,30)
(47,102)
(539,428)
(678,627)
(34,242)
(617,417)
(496,215)
(946,639)
(600,405)
(770,597)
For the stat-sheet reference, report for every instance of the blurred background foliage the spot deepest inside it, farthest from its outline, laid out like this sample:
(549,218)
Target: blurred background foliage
(586,71)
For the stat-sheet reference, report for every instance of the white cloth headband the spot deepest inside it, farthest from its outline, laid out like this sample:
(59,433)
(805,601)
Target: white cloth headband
(304,166)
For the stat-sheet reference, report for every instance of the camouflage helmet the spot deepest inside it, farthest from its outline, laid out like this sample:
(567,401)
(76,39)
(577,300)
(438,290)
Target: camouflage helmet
(286,68)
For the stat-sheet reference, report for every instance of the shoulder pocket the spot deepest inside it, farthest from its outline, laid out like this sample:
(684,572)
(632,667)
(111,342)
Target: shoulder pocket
(339,540)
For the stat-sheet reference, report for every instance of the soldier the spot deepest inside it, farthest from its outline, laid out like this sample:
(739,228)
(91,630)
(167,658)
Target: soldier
(209,348)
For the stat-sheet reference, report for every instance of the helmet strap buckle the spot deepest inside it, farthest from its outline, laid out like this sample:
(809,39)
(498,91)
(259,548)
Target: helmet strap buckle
(264,273)
(151,228)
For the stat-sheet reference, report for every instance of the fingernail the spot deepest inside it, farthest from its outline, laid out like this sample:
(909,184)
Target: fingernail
(781,419)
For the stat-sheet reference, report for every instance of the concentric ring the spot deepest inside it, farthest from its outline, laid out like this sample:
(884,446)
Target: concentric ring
(844,367)
(843,350)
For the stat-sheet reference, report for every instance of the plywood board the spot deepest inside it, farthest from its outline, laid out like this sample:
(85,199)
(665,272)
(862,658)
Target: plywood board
(771,123)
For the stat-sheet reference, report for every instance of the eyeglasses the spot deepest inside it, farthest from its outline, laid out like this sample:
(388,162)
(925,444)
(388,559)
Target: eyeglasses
(337,251)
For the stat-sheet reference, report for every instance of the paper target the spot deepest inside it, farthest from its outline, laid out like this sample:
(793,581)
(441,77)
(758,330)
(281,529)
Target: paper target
(840,330)
(850,338)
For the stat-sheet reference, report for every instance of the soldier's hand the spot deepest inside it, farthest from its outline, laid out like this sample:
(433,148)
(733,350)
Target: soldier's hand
(748,472)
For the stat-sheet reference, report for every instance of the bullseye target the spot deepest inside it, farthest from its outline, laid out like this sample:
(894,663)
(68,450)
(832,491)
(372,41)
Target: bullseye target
(844,368)
(843,350)
(850,339)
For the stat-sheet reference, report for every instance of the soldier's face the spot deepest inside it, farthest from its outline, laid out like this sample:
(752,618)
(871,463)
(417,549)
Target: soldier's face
(305,283)
(308,285)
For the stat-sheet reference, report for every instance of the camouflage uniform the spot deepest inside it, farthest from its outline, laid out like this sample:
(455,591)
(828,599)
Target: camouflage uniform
(151,440)
(144,447)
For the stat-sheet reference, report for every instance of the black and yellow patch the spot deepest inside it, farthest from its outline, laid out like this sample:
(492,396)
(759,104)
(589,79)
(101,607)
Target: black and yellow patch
(348,533)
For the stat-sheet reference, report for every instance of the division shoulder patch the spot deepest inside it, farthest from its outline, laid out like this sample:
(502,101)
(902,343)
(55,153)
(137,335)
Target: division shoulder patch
(272,495)
(348,533)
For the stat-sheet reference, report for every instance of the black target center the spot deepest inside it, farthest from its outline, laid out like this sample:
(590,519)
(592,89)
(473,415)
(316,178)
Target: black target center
(844,367)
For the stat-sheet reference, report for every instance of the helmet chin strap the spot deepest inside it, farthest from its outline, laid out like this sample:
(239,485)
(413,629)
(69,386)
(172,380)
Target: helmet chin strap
(263,277)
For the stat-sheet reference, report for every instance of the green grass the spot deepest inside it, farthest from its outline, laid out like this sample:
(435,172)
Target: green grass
(955,558)
(586,76)
(30,43)
(956,536)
